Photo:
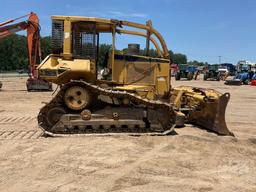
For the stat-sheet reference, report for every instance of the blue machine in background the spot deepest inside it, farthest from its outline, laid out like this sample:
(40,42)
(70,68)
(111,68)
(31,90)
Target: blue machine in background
(191,69)
(243,76)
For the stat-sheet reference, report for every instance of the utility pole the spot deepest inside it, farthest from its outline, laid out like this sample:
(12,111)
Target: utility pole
(219,59)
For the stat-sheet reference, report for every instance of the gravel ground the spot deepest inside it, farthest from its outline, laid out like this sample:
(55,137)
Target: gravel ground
(193,160)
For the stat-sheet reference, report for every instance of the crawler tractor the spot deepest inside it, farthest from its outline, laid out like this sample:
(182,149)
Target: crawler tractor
(212,72)
(134,97)
(185,71)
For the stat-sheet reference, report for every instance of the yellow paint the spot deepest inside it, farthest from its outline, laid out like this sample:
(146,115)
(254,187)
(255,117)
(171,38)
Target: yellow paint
(143,75)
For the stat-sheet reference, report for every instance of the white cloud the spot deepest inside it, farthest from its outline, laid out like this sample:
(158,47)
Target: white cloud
(141,15)
(74,10)
(117,14)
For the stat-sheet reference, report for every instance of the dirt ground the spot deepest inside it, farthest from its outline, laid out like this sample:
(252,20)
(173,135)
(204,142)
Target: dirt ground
(193,160)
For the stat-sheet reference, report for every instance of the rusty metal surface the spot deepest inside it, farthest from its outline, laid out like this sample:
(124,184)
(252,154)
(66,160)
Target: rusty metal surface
(203,107)
(213,117)
(139,73)
(35,84)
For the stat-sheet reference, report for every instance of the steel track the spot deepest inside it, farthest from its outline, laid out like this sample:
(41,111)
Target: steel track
(162,107)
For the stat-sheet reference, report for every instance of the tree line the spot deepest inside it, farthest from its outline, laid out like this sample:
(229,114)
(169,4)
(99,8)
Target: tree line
(14,53)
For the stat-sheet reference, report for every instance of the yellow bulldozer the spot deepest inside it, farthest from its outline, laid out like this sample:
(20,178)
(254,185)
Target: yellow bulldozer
(133,95)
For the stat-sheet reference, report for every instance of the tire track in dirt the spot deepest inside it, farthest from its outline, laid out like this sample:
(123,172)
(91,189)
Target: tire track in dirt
(8,132)
(14,119)
(12,135)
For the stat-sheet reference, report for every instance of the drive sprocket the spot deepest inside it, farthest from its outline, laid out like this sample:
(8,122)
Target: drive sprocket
(77,98)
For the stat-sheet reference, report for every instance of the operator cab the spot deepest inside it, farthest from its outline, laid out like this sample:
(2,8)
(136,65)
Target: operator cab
(75,48)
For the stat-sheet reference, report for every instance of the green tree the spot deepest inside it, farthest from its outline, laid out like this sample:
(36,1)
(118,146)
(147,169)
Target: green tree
(14,52)
(104,51)
(197,63)
(179,58)
(45,46)
(171,56)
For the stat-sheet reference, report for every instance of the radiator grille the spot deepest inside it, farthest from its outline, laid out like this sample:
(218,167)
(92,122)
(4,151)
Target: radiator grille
(57,36)
(85,40)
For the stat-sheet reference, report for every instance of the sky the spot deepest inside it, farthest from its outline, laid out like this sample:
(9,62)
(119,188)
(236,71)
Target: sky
(201,29)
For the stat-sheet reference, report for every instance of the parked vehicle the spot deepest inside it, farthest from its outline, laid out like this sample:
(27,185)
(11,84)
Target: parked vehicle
(223,72)
(185,71)
(253,81)
(243,76)
(212,72)
(230,67)
(174,69)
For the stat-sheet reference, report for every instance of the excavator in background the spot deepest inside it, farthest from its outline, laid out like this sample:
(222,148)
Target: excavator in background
(135,97)
(34,50)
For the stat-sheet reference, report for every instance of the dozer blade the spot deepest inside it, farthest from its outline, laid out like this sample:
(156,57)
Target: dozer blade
(203,107)
(213,116)
(233,82)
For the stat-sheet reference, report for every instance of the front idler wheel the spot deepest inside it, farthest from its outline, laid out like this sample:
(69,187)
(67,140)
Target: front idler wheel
(54,114)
